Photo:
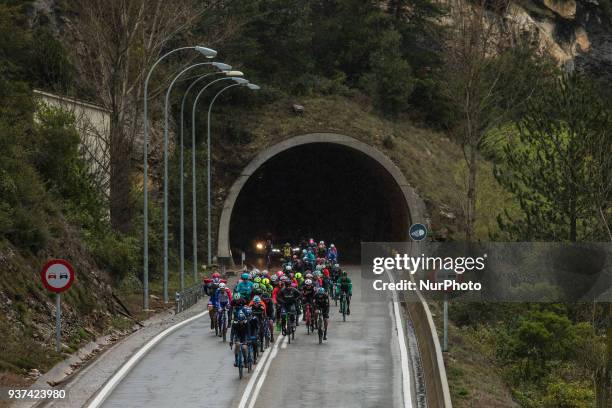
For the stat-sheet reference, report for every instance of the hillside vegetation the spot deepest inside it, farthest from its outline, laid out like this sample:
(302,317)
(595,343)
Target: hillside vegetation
(500,141)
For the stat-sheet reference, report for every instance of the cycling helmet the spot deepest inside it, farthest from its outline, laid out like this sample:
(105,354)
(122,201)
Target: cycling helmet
(309,276)
(257,279)
(266,273)
(241,317)
(344,273)
(247,311)
(298,275)
(256,286)
(321,242)
(256,299)
(308,282)
(332,246)
(237,295)
(321,290)
(216,281)
(280,273)
(273,278)
(317,274)
(293,285)
(265,281)
(288,268)
(336,265)
(245,276)
(216,275)
(222,285)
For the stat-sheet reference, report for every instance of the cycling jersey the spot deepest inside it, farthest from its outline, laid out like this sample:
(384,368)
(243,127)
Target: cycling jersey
(239,332)
(308,293)
(245,288)
(221,297)
(288,296)
(344,284)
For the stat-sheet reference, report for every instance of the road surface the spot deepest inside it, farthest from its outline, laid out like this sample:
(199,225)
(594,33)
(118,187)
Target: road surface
(359,366)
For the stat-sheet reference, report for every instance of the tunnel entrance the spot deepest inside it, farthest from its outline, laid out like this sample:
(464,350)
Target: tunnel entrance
(337,192)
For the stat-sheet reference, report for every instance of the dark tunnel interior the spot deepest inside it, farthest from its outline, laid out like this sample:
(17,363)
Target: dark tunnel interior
(325,191)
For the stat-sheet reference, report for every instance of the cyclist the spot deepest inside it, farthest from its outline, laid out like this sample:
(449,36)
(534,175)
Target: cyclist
(332,253)
(308,292)
(287,252)
(344,284)
(321,302)
(236,305)
(239,336)
(222,296)
(211,284)
(321,250)
(335,272)
(288,298)
(244,286)
(253,330)
(270,312)
(299,279)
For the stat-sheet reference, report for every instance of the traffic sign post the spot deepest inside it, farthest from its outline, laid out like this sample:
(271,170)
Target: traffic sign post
(418,232)
(57,276)
(442,276)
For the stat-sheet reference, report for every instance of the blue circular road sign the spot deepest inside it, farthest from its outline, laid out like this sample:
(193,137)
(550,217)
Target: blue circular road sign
(418,232)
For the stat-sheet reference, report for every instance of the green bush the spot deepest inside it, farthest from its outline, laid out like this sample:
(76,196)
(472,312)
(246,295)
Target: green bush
(119,254)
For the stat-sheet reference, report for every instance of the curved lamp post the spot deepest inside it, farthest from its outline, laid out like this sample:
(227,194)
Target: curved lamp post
(223,67)
(181,169)
(208,53)
(238,81)
(252,87)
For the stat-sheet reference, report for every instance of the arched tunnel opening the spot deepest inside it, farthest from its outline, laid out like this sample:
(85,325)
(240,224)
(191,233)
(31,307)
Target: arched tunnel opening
(326,191)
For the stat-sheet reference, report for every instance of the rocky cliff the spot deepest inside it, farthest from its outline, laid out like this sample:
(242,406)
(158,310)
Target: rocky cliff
(578,33)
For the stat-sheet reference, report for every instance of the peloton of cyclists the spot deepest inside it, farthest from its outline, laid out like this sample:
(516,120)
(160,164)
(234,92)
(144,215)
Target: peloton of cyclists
(309,277)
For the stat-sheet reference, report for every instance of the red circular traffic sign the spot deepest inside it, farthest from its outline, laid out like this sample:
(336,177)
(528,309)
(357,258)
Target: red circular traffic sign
(57,275)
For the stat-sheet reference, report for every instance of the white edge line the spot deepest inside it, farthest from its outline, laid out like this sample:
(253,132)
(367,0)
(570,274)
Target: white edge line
(262,377)
(110,385)
(407,393)
(251,383)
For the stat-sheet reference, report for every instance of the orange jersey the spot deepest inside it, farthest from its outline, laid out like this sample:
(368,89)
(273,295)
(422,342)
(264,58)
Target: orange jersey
(251,303)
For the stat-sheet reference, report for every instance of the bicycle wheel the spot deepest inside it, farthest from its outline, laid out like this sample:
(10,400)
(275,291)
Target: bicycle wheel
(308,317)
(240,360)
(224,327)
(343,307)
(250,358)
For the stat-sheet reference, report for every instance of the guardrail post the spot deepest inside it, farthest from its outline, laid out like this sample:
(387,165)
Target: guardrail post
(177,301)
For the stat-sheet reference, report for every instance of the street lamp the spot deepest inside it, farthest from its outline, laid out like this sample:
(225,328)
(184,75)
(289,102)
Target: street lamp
(238,80)
(181,170)
(208,53)
(223,67)
(252,87)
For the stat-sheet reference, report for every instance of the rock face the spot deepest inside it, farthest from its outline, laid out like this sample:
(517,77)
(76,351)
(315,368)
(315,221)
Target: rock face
(576,32)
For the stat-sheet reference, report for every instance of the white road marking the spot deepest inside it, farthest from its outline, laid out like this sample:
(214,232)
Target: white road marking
(263,375)
(251,383)
(407,392)
(110,385)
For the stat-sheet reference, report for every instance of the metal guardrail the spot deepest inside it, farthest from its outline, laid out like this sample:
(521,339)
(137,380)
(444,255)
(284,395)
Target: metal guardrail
(189,297)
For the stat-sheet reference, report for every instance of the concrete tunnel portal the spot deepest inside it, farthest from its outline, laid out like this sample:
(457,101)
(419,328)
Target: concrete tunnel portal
(321,185)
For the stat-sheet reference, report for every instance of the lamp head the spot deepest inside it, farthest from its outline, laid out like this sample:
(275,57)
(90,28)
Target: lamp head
(240,81)
(207,52)
(221,66)
(234,73)
(253,87)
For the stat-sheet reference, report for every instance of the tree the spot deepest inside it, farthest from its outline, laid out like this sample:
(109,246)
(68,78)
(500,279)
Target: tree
(117,40)
(559,168)
(489,70)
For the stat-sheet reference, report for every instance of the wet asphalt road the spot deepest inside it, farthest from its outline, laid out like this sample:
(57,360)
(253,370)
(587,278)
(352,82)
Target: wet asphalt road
(357,367)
